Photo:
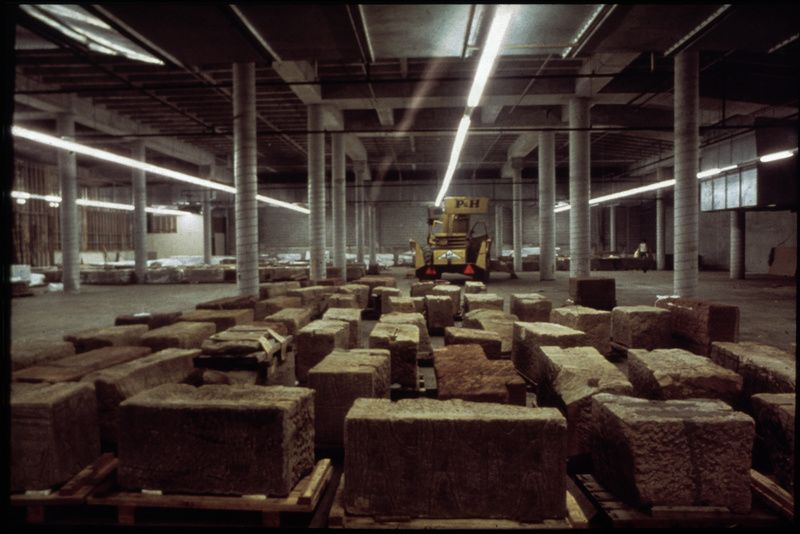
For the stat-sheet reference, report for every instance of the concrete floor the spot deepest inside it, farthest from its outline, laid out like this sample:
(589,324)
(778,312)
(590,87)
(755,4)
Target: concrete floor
(767,304)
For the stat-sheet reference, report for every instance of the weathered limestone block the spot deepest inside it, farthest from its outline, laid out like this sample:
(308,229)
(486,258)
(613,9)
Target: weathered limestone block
(109,277)
(531,307)
(493,320)
(419,304)
(464,372)
(204,275)
(165,275)
(353,319)
(115,384)
(152,320)
(399,304)
(315,341)
(241,339)
(314,298)
(439,311)
(222,319)
(53,433)
(696,322)
(361,292)
(416,319)
(476,301)
(276,304)
(293,318)
(490,342)
(596,324)
(382,294)
(374,280)
(276,289)
(343,300)
(217,439)
(530,337)
(774,414)
(472,286)
(764,369)
(236,303)
(402,341)
(572,376)
(453,292)
(421,289)
(356,271)
(438,459)
(338,380)
(678,374)
(594,292)
(641,327)
(672,453)
(73,368)
(29,353)
(182,335)
(110,336)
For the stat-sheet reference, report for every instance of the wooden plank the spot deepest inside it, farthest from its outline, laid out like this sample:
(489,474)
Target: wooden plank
(319,478)
(773,495)
(76,490)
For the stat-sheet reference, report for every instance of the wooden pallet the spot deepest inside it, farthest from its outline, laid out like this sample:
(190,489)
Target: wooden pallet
(74,492)
(774,496)
(338,518)
(620,514)
(302,499)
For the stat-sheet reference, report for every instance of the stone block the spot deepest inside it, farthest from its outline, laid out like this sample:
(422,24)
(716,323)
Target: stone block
(314,298)
(641,327)
(678,374)
(113,385)
(236,303)
(165,275)
(242,339)
(464,372)
(471,287)
(216,439)
(402,341)
(276,304)
(427,458)
(29,353)
(476,301)
(490,342)
(381,295)
(531,307)
(530,337)
(204,275)
(594,292)
(110,336)
(775,414)
(53,433)
(360,291)
(293,318)
(152,320)
(672,453)
(73,368)
(222,319)
(421,289)
(181,335)
(343,300)
(438,311)
(374,280)
(453,292)
(276,289)
(763,368)
(596,324)
(108,277)
(338,380)
(493,320)
(399,304)
(413,318)
(419,304)
(353,319)
(315,341)
(696,323)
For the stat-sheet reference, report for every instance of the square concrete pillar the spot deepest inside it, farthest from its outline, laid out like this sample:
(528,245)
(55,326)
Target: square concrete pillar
(464,372)
(476,301)
(223,319)
(315,341)
(449,290)
(110,336)
(29,353)
(531,307)
(530,337)
(402,341)
(416,319)
(293,318)
(350,316)
(641,327)
(490,342)
(439,312)
(361,291)
(596,324)
(775,415)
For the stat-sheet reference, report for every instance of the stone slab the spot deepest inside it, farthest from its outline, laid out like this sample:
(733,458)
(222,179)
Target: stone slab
(594,292)
(276,289)
(109,336)
(399,304)
(476,301)
(315,341)
(490,342)
(314,297)
(374,281)
(763,368)
(73,368)
(222,319)
(775,417)
(641,327)
(108,277)
(419,304)
(381,295)
(182,335)
(293,318)
(449,290)
(29,353)
(439,311)
(464,372)
(204,275)
(151,319)
(420,289)
(361,292)
(276,304)
(343,300)
(165,275)
(697,322)
(493,320)
(531,307)
(402,341)
(413,318)
(353,319)
(596,324)
(242,339)
(530,337)
(237,303)
(471,287)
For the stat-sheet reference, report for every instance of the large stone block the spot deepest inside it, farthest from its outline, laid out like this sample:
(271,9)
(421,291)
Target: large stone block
(107,276)
(241,339)
(641,327)
(218,439)
(361,292)
(416,319)
(276,304)
(402,341)
(356,271)
(464,372)
(29,353)
(596,324)
(73,368)
(315,298)
(531,307)
(453,292)
(696,322)
(679,374)
(438,459)
(181,335)
(571,377)
(338,380)
(399,304)
(374,281)
(293,318)
(472,286)
(526,352)
(764,369)
(775,414)
(492,320)
(115,384)
(276,289)
(110,336)
(353,319)
(152,320)
(490,342)
(421,289)
(439,311)
(594,292)
(204,275)
(343,300)
(476,301)
(53,433)
(419,304)
(315,341)
(165,275)
(222,319)
(381,295)
(236,303)
(672,453)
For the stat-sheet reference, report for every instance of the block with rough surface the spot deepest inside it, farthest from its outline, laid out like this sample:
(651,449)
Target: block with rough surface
(276,289)
(53,433)
(315,341)
(241,339)
(374,280)
(222,319)
(490,342)
(672,453)
(419,304)
(361,292)
(439,311)
(381,295)
(293,318)
(491,320)
(678,374)
(472,286)
(530,337)
(75,367)
(338,380)
(216,439)
(402,341)
(350,316)
(113,385)
(421,289)
(464,372)
(476,301)
(276,304)
(314,298)
(110,336)
(343,300)
(596,324)
(775,415)
(204,275)
(182,335)
(240,302)
(413,318)
(453,292)
(594,292)
(399,304)
(697,322)
(29,353)
(426,458)
(764,368)
(531,307)
(152,320)
(641,327)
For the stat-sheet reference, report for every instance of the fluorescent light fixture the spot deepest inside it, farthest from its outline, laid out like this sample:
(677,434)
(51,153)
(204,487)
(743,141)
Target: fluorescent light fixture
(582,30)
(458,144)
(633,191)
(775,156)
(684,40)
(56,200)
(491,48)
(728,168)
(783,43)
(708,172)
(63,144)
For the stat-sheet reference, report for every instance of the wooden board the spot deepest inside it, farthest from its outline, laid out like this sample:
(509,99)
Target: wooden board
(774,496)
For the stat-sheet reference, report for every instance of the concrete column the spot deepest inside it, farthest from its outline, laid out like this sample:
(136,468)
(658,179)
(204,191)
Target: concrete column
(516,211)
(737,244)
(316,192)
(139,193)
(359,167)
(687,151)
(498,230)
(372,225)
(547,202)
(70,222)
(245,165)
(208,229)
(339,204)
(612,227)
(660,256)
(628,243)
(579,188)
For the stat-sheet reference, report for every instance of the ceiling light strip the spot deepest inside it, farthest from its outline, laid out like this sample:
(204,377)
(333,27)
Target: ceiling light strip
(54,199)
(783,43)
(685,39)
(461,136)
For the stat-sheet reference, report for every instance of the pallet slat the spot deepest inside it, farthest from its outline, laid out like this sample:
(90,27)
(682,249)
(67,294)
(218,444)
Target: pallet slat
(775,496)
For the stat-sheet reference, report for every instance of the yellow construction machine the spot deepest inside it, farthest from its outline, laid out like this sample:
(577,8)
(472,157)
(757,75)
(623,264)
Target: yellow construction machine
(453,245)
